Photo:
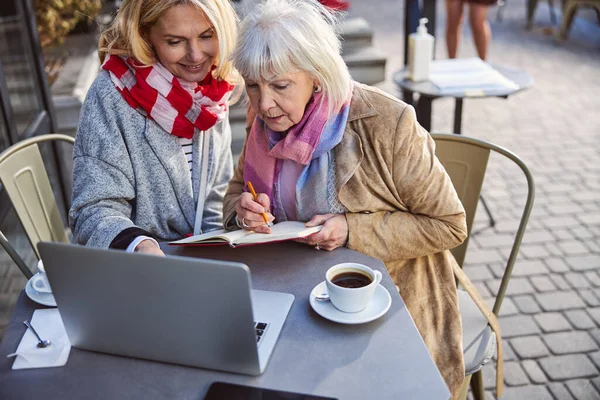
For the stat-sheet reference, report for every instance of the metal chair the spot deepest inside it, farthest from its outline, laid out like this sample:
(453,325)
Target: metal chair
(24,177)
(465,159)
(500,10)
(569,9)
(532,5)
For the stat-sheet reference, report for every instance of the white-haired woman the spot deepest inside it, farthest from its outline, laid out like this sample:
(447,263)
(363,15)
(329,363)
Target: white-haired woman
(152,156)
(327,150)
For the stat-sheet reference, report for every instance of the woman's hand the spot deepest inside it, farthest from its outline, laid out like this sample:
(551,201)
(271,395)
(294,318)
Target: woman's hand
(149,247)
(250,213)
(333,235)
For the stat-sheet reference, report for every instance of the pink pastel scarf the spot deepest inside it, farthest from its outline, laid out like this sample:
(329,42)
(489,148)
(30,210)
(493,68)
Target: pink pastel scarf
(308,143)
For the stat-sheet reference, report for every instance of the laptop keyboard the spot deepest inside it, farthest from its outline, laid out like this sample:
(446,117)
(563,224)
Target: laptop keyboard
(260,328)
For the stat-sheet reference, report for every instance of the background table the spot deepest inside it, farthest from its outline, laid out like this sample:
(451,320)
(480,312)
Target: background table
(383,359)
(429,92)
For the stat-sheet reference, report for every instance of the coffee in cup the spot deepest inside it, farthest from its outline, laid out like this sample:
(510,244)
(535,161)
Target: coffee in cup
(351,286)
(351,279)
(40,280)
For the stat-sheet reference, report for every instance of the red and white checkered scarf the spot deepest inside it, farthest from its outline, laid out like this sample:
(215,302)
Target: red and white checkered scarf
(179,107)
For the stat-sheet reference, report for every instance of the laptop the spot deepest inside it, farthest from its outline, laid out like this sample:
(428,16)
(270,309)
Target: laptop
(189,311)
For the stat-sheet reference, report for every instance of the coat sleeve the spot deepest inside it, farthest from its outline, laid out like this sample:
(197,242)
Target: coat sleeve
(103,179)
(431,217)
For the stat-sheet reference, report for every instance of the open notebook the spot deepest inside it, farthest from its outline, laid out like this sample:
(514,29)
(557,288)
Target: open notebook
(281,231)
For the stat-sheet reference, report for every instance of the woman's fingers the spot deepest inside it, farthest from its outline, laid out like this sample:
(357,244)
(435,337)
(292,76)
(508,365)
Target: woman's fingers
(149,247)
(250,213)
(319,219)
(264,201)
(334,233)
(247,202)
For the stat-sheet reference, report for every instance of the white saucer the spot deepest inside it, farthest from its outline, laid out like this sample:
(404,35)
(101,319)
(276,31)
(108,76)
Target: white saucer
(46,299)
(379,305)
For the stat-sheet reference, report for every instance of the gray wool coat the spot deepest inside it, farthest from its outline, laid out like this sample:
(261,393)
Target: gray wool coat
(129,172)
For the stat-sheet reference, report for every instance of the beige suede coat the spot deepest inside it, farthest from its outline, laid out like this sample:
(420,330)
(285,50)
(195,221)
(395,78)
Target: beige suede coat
(403,209)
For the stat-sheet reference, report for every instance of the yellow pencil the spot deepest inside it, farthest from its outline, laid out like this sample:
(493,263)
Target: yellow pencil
(264,214)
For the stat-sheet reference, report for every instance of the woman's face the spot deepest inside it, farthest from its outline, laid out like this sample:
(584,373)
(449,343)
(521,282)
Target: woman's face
(184,42)
(281,101)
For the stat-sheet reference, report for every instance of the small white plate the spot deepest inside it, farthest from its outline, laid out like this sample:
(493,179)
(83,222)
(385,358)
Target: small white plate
(379,305)
(46,299)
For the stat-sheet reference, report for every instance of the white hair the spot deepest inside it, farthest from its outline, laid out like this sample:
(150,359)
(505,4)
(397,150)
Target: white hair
(282,36)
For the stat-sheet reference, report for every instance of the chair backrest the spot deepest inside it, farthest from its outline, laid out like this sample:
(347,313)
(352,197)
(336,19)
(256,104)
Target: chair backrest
(465,159)
(23,176)
(466,165)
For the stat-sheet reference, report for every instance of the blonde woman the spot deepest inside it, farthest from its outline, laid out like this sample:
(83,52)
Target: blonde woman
(326,150)
(152,155)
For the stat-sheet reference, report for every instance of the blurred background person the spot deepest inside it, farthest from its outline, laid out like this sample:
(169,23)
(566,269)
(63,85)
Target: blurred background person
(480,27)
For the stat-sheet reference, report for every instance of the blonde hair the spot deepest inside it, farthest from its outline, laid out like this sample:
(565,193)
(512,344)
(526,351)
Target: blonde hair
(125,36)
(282,36)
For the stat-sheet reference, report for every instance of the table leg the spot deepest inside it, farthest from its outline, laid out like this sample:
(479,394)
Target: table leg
(531,6)
(408,97)
(458,106)
(423,109)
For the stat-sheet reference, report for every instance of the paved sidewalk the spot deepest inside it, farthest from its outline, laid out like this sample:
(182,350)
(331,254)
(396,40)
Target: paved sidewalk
(551,316)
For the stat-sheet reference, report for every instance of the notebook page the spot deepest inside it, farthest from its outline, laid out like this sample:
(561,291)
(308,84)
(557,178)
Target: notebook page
(280,231)
(218,236)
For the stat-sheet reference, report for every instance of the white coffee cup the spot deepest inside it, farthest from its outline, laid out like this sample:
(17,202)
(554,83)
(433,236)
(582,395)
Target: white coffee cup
(351,286)
(40,280)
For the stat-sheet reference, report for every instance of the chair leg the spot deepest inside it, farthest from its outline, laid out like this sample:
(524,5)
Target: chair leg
(500,10)
(15,257)
(552,12)
(477,385)
(567,20)
(531,5)
(464,389)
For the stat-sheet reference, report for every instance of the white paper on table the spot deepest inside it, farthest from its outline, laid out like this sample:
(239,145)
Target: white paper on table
(467,74)
(49,325)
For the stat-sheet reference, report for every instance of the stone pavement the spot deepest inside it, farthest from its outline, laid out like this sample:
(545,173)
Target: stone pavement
(551,315)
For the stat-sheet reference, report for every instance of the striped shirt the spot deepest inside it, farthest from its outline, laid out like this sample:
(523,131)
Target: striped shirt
(186,147)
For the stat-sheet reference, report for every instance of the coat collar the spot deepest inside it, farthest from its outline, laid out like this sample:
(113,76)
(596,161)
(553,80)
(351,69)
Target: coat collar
(349,153)
(360,106)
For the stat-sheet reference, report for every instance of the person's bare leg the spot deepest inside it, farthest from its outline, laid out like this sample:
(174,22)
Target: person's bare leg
(480,28)
(454,15)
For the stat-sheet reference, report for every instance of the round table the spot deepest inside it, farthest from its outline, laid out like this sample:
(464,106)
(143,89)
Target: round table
(429,92)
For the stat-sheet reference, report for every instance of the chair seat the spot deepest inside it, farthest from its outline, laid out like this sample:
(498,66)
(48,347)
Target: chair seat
(479,341)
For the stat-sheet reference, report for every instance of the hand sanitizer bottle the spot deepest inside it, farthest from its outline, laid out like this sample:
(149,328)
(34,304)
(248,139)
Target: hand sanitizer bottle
(420,53)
